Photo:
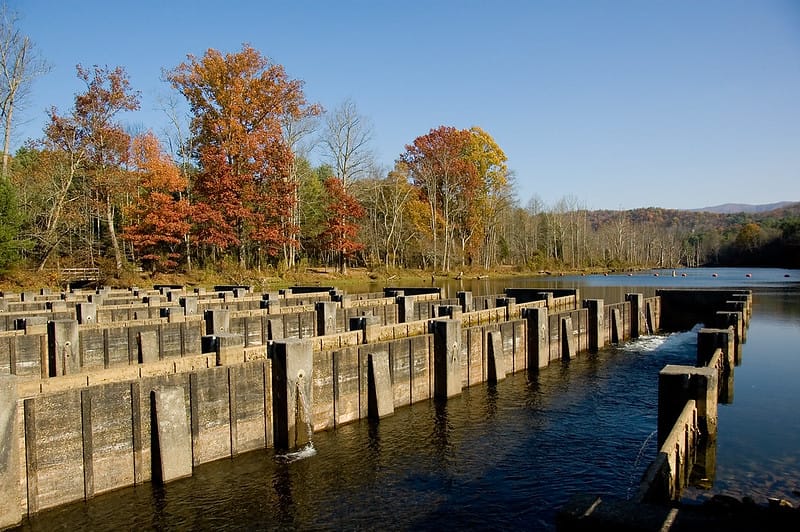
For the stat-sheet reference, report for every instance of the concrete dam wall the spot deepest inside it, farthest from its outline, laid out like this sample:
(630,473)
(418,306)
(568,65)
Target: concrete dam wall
(98,394)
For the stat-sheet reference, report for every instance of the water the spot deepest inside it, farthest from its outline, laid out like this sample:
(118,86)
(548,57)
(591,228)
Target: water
(302,415)
(500,456)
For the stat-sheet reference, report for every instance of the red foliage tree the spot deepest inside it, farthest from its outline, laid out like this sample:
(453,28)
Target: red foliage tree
(343,212)
(159,216)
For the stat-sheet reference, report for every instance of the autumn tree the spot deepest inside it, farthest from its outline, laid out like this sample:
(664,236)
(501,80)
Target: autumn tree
(341,224)
(244,196)
(485,198)
(159,216)
(94,145)
(439,166)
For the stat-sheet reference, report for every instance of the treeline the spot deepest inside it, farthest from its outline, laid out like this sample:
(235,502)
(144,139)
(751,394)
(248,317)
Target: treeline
(232,183)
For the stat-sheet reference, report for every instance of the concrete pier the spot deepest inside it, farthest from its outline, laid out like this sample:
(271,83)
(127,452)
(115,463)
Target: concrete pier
(64,348)
(381,399)
(10,495)
(708,342)
(616,326)
(326,317)
(679,384)
(496,364)
(597,336)
(173,435)
(538,338)
(292,392)
(637,318)
(446,358)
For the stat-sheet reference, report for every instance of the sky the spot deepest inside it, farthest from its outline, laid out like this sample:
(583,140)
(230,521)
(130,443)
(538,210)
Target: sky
(607,104)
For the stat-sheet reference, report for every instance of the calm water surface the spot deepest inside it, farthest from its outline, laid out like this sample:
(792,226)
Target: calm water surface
(504,456)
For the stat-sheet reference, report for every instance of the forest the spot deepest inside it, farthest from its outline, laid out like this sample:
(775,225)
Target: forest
(233,184)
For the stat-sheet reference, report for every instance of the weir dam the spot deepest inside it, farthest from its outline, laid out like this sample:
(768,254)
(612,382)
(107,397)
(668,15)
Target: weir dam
(110,388)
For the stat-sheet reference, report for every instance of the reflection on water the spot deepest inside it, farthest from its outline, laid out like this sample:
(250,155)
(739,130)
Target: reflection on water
(498,456)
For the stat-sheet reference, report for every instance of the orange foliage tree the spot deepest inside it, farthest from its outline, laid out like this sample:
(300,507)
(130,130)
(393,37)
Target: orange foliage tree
(243,195)
(158,218)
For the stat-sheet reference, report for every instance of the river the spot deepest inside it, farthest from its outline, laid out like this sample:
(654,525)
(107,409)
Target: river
(507,455)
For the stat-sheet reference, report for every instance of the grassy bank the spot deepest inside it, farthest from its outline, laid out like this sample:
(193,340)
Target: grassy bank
(23,279)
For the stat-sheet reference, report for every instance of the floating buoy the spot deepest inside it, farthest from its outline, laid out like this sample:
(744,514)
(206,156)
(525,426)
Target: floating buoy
(749,275)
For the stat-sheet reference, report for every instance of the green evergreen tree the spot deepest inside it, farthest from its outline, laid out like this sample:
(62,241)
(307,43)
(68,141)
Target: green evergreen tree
(10,221)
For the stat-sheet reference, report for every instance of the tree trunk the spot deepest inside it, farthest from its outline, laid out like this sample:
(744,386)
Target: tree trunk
(7,139)
(113,233)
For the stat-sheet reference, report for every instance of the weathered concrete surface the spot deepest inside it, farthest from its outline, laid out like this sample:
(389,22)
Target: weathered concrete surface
(148,346)
(174,435)
(64,347)
(230,349)
(346,391)
(326,317)
(292,365)
(538,338)
(616,326)
(107,438)
(637,314)
(447,358)
(211,419)
(568,350)
(597,329)
(381,397)
(54,450)
(10,495)
(497,365)
(678,384)
(250,404)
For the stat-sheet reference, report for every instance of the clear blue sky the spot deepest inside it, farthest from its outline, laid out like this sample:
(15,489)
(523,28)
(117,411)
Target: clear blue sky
(620,104)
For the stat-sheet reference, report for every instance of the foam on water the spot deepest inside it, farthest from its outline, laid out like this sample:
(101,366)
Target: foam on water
(306,451)
(662,342)
(645,344)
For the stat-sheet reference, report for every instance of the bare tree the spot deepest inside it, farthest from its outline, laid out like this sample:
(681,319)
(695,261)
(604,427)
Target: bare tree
(346,141)
(295,132)
(19,66)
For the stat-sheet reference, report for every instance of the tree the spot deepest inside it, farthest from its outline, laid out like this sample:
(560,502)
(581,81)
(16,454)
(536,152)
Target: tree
(296,129)
(10,223)
(239,102)
(439,166)
(341,227)
(346,142)
(19,66)
(482,206)
(95,145)
(392,198)
(158,217)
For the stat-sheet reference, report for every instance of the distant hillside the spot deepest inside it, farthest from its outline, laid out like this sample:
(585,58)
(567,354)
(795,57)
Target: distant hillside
(731,208)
